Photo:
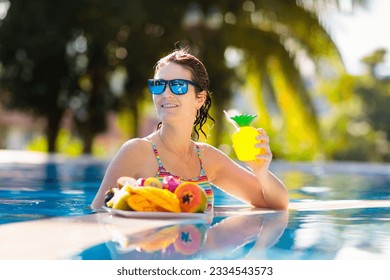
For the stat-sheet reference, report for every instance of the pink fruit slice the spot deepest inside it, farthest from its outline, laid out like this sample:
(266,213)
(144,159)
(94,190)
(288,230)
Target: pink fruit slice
(170,183)
(140,182)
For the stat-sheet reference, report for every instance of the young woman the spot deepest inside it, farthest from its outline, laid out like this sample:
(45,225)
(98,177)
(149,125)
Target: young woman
(181,96)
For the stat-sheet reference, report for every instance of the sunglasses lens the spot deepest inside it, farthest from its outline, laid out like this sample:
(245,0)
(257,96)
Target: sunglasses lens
(178,86)
(156,86)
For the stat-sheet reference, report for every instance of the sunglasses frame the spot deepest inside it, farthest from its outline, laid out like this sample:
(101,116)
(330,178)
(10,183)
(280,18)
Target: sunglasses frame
(170,84)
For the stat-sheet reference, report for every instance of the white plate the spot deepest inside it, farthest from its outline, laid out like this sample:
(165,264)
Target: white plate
(155,215)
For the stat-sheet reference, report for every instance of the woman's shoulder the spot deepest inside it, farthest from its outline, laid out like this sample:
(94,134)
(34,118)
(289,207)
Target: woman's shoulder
(135,159)
(213,159)
(209,150)
(136,145)
(204,146)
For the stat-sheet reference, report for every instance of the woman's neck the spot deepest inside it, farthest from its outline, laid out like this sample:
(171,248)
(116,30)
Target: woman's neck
(177,140)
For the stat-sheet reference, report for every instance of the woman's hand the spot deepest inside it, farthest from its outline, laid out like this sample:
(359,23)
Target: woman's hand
(274,192)
(264,158)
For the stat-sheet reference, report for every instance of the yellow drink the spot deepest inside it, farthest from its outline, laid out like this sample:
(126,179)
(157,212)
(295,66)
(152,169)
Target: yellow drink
(244,138)
(244,141)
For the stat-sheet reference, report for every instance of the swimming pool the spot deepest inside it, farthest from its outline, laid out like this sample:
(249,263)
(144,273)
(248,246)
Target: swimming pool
(337,211)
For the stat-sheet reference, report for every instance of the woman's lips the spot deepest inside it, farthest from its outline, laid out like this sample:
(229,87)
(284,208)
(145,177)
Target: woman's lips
(169,105)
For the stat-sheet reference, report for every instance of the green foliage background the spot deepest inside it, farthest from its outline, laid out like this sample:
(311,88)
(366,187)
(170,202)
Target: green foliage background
(90,58)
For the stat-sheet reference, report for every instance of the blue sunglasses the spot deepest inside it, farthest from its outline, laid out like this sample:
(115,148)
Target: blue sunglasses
(177,86)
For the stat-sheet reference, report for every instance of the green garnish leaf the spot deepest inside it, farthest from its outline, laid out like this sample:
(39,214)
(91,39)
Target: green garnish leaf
(243,120)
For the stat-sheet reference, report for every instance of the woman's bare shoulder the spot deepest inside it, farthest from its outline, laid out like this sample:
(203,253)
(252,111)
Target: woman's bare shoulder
(136,143)
(135,156)
(214,160)
(135,146)
(208,148)
(212,156)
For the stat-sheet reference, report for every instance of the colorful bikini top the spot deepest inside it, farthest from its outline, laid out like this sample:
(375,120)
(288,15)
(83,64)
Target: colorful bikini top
(200,180)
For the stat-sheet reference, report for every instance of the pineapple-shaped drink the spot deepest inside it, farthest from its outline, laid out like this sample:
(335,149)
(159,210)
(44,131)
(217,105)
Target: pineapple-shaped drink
(244,137)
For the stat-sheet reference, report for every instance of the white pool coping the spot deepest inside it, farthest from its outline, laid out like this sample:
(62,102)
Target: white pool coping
(30,157)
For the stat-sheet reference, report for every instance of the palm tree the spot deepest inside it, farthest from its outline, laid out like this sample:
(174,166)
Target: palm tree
(272,40)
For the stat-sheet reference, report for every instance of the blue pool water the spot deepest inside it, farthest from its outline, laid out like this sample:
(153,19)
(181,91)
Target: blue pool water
(66,188)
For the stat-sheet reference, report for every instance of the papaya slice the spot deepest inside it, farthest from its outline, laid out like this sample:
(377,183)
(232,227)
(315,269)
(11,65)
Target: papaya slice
(192,198)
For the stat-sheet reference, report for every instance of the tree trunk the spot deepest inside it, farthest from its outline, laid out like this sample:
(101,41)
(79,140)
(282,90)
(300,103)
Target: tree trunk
(88,142)
(135,125)
(52,129)
(96,107)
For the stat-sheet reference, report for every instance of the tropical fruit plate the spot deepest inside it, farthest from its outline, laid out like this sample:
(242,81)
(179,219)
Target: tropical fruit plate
(152,198)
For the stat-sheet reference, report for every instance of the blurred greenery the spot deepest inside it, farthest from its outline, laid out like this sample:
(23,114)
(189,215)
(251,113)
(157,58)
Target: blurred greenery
(88,58)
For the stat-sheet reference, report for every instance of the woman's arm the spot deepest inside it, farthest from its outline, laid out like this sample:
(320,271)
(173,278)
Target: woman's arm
(257,186)
(274,191)
(126,162)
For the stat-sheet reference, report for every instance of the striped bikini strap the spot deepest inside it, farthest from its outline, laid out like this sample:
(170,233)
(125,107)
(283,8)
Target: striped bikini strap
(160,165)
(199,157)
(202,171)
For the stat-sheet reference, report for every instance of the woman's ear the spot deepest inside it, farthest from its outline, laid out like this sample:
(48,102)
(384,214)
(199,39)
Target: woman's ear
(201,98)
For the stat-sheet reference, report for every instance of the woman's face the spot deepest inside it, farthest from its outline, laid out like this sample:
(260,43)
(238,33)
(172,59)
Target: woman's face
(179,108)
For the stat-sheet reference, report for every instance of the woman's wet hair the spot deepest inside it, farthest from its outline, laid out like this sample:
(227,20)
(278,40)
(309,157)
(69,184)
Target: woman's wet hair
(200,76)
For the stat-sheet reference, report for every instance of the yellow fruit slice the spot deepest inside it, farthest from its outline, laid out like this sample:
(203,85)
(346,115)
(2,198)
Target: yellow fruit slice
(160,197)
(140,203)
(121,202)
(153,182)
(117,194)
